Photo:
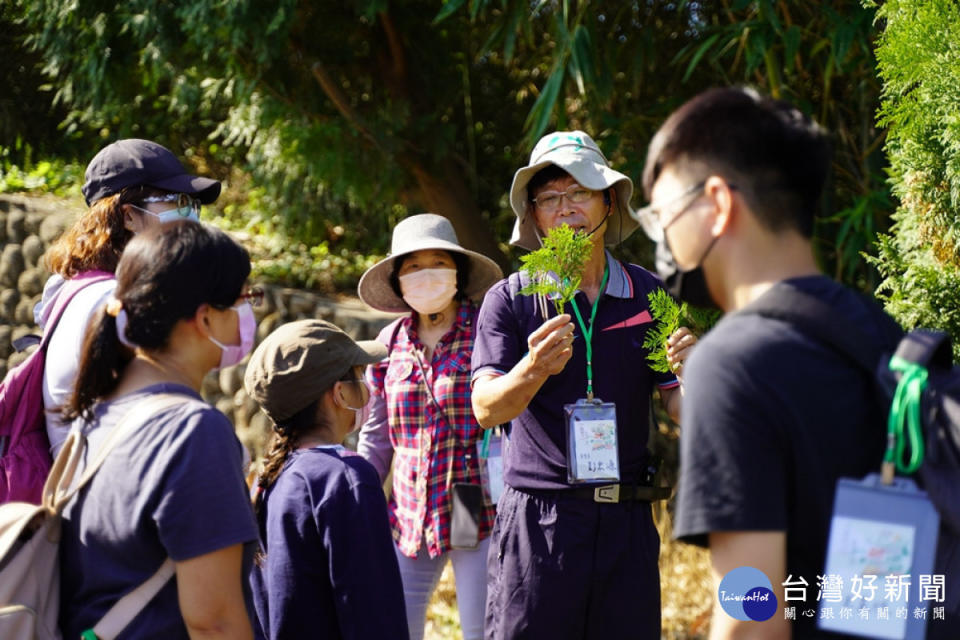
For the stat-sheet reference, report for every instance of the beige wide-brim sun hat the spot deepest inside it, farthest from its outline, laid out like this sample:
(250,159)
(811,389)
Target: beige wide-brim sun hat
(416,233)
(576,153)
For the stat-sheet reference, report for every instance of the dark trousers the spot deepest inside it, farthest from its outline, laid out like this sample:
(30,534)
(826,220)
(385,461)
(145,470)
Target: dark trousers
(565,568)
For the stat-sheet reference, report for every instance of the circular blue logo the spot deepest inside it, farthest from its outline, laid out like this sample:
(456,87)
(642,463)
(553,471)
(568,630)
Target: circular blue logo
(746,594)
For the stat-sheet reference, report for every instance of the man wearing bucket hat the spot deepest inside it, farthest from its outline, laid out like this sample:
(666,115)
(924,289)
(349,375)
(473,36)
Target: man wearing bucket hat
(577,548)
(130,185)
(327,567)
(422,414)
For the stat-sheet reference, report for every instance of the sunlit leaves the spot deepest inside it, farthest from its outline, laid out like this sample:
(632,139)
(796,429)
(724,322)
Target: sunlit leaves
(919,61)
(556,269)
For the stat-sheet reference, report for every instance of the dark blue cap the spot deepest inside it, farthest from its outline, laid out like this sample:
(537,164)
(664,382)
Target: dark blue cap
(132,162)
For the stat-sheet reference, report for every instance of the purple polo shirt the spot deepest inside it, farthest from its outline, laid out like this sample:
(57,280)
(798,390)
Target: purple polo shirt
(536,456)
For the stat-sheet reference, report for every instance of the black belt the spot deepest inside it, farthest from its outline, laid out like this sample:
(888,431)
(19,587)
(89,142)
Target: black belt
(612,493)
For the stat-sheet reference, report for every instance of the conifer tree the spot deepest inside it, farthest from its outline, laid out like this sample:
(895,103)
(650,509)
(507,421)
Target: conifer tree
(919,63)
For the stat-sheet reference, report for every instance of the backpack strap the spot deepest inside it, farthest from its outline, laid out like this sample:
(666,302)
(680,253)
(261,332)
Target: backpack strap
(126,608)
(928,348)
(60,488)
(57,492)
(817,319)
(71,289)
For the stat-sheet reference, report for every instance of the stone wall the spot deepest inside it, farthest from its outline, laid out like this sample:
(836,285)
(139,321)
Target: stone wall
(27,227)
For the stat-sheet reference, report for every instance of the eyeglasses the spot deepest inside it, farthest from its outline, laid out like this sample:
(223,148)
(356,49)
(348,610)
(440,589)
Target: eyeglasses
(186,205)
(550,200)
(361,381)
(649,216)
(253,296)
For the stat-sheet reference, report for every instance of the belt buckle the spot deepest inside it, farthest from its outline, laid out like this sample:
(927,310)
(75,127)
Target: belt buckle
(607,493)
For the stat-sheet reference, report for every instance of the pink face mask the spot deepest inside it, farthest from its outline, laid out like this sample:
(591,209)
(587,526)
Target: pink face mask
(231,354)
(429,290)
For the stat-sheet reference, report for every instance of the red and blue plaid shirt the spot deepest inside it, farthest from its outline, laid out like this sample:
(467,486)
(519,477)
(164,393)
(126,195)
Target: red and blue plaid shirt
(433,448)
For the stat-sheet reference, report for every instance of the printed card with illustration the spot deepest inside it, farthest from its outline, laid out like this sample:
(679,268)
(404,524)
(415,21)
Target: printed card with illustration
(592,452)
(881,544)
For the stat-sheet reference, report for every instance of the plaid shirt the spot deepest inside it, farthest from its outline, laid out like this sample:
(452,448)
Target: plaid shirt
(432,448)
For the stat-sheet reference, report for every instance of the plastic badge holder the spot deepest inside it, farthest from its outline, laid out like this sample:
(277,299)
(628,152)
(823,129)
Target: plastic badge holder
(490,453)
(879,530)
(592,451)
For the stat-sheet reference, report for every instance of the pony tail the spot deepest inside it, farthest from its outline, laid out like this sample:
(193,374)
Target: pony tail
(282,446)
(102,361)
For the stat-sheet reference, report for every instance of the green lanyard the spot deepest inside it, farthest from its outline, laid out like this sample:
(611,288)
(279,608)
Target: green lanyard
(905,416)
(588,332)
(485,446)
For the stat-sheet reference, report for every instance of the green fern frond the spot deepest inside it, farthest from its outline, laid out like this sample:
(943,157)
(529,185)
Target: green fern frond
(669,316)
(565,252)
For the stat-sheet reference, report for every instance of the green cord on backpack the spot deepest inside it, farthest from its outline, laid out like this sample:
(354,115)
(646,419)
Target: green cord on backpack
(905,416)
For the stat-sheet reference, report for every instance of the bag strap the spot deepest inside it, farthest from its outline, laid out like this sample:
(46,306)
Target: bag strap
(452,423)
(393,334)
(816,318)
(453,426)
(126,608)
(57,492)
(928,348)
(60,488)
(71,289)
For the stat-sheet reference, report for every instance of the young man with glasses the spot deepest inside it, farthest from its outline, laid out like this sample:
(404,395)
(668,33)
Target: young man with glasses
(771,417)
(574,550)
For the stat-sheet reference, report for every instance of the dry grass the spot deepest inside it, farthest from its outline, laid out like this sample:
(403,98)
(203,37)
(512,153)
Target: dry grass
(443,621)
(686,589)
(685,592)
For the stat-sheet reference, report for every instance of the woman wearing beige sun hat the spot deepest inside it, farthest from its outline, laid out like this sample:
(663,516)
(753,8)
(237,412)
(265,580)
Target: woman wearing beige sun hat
(421,414)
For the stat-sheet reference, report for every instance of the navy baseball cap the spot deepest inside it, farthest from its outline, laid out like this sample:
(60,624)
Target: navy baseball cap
(131,162)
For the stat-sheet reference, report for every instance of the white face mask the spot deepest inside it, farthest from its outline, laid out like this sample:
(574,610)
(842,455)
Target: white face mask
(429,290)
(360,414)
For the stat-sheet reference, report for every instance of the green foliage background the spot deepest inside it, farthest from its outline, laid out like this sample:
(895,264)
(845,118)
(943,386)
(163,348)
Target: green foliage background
(344,116)
(333,121)
(919,61)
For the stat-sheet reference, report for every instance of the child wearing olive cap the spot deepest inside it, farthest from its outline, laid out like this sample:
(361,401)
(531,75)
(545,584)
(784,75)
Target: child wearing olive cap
(327,567)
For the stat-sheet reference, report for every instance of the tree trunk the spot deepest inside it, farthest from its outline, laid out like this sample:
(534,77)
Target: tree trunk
(447,194)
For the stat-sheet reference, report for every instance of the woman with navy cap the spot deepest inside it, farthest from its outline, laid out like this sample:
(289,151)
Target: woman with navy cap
(130,186)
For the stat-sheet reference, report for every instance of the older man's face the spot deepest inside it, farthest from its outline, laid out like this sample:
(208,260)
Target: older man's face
(565,201)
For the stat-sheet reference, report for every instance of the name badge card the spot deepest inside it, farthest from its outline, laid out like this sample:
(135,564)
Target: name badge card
(592,453)
(490,450)
(882,540)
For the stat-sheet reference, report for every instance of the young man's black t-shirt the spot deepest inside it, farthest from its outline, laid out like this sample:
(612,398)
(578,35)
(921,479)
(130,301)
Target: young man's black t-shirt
(771,419)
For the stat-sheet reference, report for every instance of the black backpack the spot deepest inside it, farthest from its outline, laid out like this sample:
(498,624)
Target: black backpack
(917,385)
(915,382)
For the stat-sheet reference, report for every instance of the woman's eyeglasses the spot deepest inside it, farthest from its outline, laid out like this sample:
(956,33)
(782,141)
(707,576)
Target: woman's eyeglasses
(186,205)
(253,296)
